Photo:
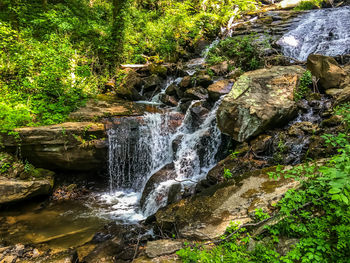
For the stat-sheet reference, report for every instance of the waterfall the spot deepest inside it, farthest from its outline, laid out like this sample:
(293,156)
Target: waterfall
(139,148)
(325,31)
(194,157)
(137,152)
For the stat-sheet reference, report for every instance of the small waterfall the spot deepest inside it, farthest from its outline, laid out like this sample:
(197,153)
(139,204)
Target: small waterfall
(325,31)
(137,151)
(194,157)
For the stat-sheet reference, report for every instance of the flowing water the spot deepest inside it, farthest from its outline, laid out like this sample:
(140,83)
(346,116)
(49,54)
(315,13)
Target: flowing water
(324,31)
(137,152)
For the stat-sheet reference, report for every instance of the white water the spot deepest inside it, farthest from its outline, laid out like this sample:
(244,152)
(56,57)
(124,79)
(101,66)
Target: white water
(325,31)
(194,157)
(137,152)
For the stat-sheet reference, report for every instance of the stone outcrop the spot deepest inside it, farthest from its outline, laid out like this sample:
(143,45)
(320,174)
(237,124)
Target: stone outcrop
(163,247)
(219,88)
(14,190)
(106,106)
(207,215)
(327,70)
(259,100)
(79,146)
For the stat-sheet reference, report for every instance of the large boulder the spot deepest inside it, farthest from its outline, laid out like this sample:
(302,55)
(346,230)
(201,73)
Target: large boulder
(327,70)
(208,214)
(14,190)
(259,100)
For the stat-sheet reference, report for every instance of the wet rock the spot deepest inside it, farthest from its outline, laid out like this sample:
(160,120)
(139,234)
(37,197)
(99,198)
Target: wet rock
(203,80)
(334,92)
(198,113)
(168,100)
(300,128)
(327,70)
(164,174)
(163,247)
(174,194)
(196,93)
(151,83)
(128,89)
(14,190)
(158,70)
(219,88)
(9,259)
(171,90)
(186,82)
(78,146)
(207,215)
(259,100)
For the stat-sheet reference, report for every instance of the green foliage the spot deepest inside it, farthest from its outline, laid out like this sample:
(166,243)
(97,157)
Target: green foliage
(304,86)
(244,52)
(260,215)
(308,4)
(227,173)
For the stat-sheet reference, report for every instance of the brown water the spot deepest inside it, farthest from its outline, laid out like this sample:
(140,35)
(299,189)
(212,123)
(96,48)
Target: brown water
(57,225)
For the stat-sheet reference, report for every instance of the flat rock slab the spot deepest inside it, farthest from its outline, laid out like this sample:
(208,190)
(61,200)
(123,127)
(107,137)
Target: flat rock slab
(12,190)
(163,247)
(207,215)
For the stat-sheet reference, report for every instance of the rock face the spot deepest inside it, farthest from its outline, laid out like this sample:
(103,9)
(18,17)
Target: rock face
(259,100)
(219,88)
(327,70)
(13,190)
(207,215)
(164,174)
(78,146)
(162,247)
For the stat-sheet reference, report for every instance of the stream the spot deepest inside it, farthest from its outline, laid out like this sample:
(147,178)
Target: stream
(188,142)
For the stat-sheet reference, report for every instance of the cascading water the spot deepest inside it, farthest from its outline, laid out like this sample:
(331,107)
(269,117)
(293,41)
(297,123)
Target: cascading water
(194,157)
(325,31)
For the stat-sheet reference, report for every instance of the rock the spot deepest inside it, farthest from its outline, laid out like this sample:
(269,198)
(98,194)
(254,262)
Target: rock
(327,70)
(9,259)
(208,214)
(174,194)
(168,100)
(219,88)
(237,166)
(259,100)
(106,106)
(261,144)
(171,90)
(164,174)
(344,96)
(198,113)
(220,69)
(334,92)
(203,80)
(196,93)
(77,146)
(13,190)
(163,259)
(157,69)
(287,4)
(162,247)
(128,89)
(152,83)
(186,82)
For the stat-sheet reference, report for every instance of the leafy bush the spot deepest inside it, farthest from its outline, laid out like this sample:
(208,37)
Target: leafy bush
(244,52)
(304,86)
